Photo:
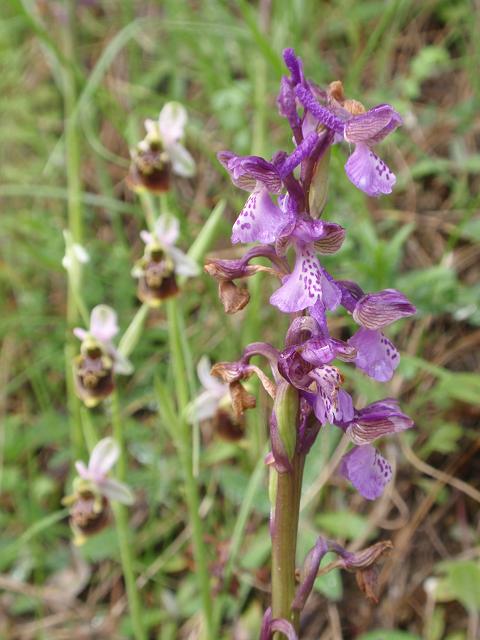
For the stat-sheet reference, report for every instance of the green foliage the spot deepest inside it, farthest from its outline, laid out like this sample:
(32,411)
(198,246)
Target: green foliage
(343,524)
(387,634)
(461,581)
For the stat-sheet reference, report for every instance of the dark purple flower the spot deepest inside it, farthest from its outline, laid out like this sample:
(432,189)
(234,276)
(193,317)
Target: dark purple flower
(376,355)
(367,470)
(377,310)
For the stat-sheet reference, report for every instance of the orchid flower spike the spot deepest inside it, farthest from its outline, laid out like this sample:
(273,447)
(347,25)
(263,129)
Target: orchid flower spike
(98,359)
(161,152)
(162,262)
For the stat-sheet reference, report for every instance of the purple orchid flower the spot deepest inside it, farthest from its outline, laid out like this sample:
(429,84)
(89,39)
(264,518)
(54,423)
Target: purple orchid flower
(376,354)
(308,283)
(364,168)
(366,469)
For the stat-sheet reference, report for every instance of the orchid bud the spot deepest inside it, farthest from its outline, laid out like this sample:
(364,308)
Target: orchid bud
(285,407)
(318,193)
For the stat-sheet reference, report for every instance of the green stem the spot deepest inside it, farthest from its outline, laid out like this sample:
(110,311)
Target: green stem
(75,222)
(284,541)
(184,446)
(123,530)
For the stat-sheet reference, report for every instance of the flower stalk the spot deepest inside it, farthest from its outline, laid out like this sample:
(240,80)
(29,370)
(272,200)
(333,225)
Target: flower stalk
(284,541)
(123,530)
(185,451)
(75,219)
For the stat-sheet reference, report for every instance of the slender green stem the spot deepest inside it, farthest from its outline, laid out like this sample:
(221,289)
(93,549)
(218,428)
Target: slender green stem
(184,445)
(75,215)
(284,541)
(123,531)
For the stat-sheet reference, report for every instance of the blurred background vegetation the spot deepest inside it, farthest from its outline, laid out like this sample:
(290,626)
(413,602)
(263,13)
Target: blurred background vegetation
(222,59)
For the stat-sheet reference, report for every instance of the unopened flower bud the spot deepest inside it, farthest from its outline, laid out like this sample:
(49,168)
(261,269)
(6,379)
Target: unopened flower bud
(286,406)
(335,89)
(354,107)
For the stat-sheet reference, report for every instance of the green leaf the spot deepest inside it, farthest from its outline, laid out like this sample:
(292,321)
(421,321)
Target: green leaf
(330,584)
(463,580)
(388,635)
(343,524)
(444,438)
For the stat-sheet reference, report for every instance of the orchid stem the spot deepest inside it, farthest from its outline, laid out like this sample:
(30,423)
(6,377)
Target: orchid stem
(75,222)
(284,542)
(184,445)
(123,530)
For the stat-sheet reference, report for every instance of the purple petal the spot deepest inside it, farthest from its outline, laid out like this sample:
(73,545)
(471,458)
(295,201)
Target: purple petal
(323,115)
(351,294)
(103,323)
(246,171)
(260,220)
(284,627)
(318,351)
(372,126)
(376,355)
(331,294)
(301,153)
(309,573)
(303,287)
(332,239)
(344,411)
(294,65)
(328,381)
(287,107)
(367,470)
(376,310)
(372,422)
(104,455)
(368,173)
(82,469)
(376,420)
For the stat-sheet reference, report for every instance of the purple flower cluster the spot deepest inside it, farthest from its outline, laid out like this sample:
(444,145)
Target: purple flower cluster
(287,196)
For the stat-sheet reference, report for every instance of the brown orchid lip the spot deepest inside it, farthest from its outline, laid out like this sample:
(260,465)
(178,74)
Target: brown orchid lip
(89,513)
